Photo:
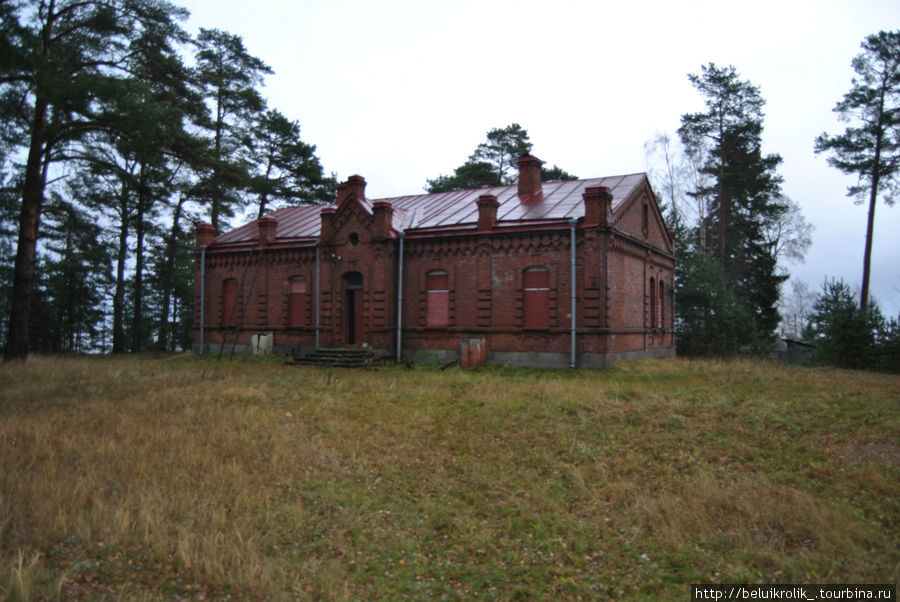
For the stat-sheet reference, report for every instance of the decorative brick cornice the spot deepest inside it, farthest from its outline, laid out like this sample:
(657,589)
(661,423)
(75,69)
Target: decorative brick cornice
(536,243)
(628,247)
(443,247)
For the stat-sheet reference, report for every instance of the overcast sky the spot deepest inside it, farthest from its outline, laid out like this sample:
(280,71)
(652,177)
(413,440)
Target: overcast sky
(400,91)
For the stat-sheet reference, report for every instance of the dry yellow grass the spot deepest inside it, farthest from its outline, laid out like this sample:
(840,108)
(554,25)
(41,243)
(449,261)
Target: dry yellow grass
(148,478)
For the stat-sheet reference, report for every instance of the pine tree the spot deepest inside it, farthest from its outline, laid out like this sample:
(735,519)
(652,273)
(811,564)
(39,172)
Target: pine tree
(555,173)
(744,187)
(74,281)
(465,177)
(228,77)
(502,150)
(288,170)
(103,187)
(68,65)
(841,331)
(870,147)
(9,202)
(710,320)
(494,163)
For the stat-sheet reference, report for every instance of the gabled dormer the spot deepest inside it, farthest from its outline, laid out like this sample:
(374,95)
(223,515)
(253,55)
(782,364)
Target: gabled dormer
(354,219)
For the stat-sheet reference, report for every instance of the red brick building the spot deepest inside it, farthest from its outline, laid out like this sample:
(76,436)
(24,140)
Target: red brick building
(558,274)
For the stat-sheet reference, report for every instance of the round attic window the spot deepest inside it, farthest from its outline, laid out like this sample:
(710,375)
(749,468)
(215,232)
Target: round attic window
(353,238)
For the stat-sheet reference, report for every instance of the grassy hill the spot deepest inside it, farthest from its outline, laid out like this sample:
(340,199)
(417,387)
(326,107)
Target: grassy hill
(155,477)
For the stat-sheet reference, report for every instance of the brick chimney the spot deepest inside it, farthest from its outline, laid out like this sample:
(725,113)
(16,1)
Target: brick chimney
(487,211)
(205,234)
(357,187)
(267,226)
(597,205)
(529,177)
(342,192)
(354,187)
(384,219)
(326,233)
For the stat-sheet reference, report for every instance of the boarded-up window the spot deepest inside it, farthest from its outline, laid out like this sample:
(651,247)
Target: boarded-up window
(230,309)
(297,302)
(438,301)
(536,282)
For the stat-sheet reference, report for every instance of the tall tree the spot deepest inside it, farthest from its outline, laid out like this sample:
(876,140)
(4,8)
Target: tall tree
(288,170)
(795,309)
(502,150)
(744,187)
(466,176)
(789,235)
(870,146)
(229,77)
(9,202)
(556,173)
(494,163)
(69,313)
(104,188)
(68,66)
(172,280)
(675,178)
(709,320)
(142,153)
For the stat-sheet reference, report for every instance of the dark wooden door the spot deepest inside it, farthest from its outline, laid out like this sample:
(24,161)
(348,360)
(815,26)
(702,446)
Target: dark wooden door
(353,308)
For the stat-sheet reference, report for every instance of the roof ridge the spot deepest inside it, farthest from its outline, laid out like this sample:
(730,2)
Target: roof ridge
(454,209)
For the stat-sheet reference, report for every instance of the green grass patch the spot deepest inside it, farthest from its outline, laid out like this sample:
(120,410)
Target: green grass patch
(155,477)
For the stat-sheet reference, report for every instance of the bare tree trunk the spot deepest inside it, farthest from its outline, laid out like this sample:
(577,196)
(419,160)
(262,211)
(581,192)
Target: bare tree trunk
(30,215)
(873,198)
(867,256)
(29,219)
(118,345)
(167,277)
(139,231)
(723,204)
(264,196)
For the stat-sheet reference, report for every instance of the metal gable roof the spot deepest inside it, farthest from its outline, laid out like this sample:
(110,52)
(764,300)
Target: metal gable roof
(561,200)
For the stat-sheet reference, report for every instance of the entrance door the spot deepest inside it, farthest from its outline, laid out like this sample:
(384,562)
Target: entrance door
(353,308)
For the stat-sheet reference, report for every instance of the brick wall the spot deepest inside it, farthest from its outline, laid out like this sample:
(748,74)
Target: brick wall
(486,296)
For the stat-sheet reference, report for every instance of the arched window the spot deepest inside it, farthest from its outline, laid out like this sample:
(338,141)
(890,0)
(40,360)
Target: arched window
(297,301)
(653,311)
(230,310)
(536,282)
(437,286)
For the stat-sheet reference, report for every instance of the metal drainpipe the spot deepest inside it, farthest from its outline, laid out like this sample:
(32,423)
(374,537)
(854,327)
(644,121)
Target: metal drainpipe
(400,296)
(202,294)
(318,295)
(573,361)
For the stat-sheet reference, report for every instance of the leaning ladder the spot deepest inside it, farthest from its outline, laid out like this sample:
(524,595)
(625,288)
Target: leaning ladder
(244,304)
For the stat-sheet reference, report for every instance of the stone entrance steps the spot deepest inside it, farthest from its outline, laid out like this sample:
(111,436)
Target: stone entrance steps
(342,357)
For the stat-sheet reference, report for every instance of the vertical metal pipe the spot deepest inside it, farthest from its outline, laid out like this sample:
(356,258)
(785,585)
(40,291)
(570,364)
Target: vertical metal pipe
(573,361)
(400,296)
(202,294)
(318,295)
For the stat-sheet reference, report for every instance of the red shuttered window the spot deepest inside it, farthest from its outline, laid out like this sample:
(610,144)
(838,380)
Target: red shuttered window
(536,282)
(297,302)
(438,302)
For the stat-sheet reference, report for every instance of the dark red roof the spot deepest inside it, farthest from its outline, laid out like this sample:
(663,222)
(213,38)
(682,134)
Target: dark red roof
(457,210)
